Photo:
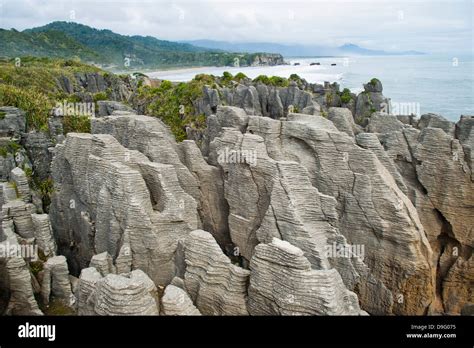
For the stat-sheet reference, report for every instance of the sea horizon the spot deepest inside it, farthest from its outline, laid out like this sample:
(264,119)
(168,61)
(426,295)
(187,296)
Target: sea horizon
(406,79)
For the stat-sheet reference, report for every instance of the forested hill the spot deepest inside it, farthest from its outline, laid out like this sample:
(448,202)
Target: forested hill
(109,49)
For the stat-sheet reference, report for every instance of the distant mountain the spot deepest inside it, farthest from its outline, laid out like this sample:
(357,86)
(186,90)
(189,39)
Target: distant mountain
(297,50)
(104,47)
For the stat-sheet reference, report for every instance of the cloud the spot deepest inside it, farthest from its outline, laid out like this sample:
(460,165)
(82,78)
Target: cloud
(439,25)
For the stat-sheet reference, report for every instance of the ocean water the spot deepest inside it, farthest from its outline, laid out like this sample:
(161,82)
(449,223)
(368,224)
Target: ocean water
(426,83)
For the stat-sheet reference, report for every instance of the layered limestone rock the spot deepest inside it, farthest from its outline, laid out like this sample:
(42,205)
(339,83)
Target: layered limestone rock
(438,177)
(216,286)
(13,122)
(260,99)
(18,283)
(151,137)
(436,121)
(20,212)
(176,301)
(282,282)
(125,294)
(56,281)
(371,210)
(213,209)
(369,101)
(465,135)
(108,107)
(37,146)
(86,286)
(343,120)
(103,263)
(18,176)
(203,182)
(110,199)
(384,123)
(44,234)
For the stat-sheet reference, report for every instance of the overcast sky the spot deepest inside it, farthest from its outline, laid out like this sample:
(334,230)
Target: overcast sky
(425,25)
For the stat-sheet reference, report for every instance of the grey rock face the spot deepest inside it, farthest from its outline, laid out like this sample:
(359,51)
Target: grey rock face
(438,178)
(282,282)
(213,208)
(21,299)
(177,302)
(371,142)
(44,234)
(153,139)
(20,212)
(86,286)
(56,281)
(18,176)
(12,121)
(103,263)
(126,294)
(37,145)
(343,120)
(7,164)
(259,99)
(108,198)
(384,123)
(368,200)
(216,286)
(465,135)
(370,101)
(436,121)
(108,107)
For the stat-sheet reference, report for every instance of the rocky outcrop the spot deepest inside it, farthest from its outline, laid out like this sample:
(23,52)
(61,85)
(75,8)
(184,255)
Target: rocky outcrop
(21,299)
(22,187)
(368,199)
(369,101)
(108,107)
(465,135)
(436,121)
(56,281)
(438,178)
(20,213)
(86,286)
(125,294)
(216,286)
(12,122)
(103,262)
(306,215)
(108,198)
(259,99)
(43,234)
(343,120)
(176,301)
(282,282)
(37,146)
(384,123)
(267,59)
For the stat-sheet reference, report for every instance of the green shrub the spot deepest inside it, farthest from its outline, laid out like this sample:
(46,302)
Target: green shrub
(100,96)
(173,104)
(205,78)
(36,105)
(263,79)
(346,96)
(2,115)
(45,188)
(279,81)
(240,76)
(227,76)
(374,81)
(76,124)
